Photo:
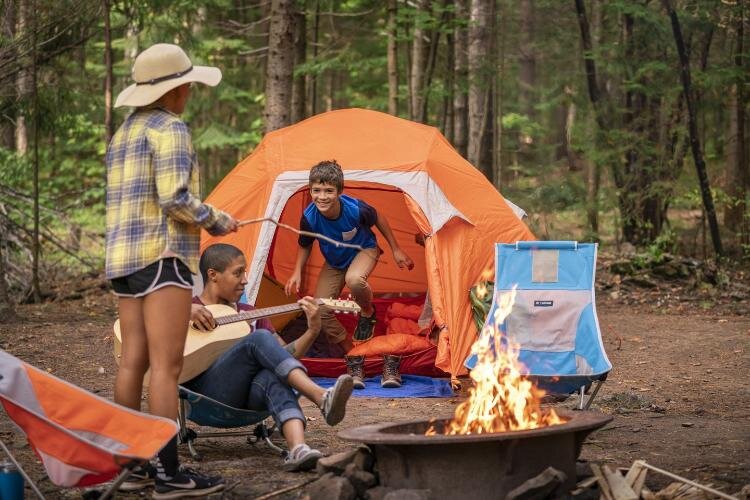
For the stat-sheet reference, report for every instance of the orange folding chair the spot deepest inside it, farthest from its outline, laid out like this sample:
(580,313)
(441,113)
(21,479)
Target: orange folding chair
(81,439)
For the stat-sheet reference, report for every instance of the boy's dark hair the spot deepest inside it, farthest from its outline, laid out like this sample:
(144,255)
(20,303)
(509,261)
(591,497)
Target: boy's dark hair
(218,256)
(328,172)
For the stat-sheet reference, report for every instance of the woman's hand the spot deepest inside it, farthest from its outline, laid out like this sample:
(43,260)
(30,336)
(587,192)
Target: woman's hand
(312,311)
(202,318)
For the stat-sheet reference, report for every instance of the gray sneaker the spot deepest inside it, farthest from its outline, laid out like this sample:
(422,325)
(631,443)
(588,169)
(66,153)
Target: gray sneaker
(301,458)
(335,398)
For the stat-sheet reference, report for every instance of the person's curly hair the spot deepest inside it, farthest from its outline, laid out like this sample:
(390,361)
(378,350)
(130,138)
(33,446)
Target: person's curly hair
(328,172)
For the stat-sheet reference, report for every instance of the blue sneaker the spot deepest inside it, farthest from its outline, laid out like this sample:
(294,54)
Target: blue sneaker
(187,483)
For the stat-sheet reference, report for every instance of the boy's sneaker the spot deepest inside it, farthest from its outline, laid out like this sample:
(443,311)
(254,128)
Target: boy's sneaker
(365,327)
(335,398)
(301,458)
(187,483)
(142,476)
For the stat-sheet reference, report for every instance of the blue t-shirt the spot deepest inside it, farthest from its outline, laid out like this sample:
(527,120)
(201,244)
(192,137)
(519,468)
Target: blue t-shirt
(352,226)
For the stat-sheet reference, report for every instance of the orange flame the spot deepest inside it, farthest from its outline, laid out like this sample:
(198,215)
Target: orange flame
(502,399)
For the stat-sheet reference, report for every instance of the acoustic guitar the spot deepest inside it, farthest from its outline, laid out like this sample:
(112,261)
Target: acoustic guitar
(203,348)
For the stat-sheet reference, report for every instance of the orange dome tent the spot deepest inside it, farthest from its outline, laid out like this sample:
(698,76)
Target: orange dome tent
(411,174)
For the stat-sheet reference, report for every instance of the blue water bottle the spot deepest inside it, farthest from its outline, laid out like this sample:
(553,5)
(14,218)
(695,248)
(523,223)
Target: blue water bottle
(11,482)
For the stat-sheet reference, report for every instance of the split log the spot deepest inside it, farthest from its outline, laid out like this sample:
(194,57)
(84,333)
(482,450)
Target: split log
(636,476)
(620,489)
(602,480)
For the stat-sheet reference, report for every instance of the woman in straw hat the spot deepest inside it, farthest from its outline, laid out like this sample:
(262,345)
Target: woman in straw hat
(154,218)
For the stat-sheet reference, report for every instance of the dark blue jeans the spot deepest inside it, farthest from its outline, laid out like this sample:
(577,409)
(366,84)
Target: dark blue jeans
(253,375)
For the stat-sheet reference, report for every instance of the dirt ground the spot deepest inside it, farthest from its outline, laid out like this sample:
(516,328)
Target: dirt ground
(678,391)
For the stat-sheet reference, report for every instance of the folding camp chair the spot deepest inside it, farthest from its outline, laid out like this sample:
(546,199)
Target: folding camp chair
(80,438)
(208,412)
(554,315)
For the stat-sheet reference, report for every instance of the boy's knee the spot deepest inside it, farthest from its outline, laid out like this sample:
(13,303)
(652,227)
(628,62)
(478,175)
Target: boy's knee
(356,282)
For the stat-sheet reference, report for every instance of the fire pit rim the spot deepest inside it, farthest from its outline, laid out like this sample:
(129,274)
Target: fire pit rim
(374,433)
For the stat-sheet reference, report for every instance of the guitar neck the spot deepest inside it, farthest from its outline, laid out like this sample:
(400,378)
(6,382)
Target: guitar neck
(257,314)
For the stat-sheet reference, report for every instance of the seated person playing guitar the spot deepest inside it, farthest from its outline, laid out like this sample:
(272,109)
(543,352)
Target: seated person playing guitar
(260,370)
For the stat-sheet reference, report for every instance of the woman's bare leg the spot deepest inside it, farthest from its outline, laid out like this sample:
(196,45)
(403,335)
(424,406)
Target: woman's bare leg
(166,314)
(134,354)
(298,379)
(294,432)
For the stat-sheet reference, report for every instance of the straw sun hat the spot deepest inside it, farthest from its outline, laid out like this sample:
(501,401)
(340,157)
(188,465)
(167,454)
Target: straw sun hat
(159,69)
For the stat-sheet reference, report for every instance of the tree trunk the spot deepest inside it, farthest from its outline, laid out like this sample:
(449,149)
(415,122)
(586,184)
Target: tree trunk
(461,64)
(498,45)
(35,97)
(330,90)
(593,169)
(7,308)
(695,146)
(108,123)
(392,50)
(432,59)
(418,62)
(479,82)
(313,82)
(23,79)
(300,56)
(527,58)
(280,66)
(598,113)
(446,124)
(7,104)
(735,210)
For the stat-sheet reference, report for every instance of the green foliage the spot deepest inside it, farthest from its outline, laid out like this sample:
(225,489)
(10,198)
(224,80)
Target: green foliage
(350,70)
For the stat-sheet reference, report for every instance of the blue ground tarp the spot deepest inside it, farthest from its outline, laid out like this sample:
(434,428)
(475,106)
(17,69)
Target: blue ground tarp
(412,386)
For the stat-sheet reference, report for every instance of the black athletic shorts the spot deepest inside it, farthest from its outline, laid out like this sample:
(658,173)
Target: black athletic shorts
(165,272)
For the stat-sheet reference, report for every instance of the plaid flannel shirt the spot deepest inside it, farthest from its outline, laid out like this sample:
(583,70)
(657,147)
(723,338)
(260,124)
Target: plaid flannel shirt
(152,184)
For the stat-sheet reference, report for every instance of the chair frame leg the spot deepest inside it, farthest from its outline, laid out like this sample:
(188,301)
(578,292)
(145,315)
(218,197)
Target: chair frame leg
(121,477)
(188,436)
(32,484)
(590,399)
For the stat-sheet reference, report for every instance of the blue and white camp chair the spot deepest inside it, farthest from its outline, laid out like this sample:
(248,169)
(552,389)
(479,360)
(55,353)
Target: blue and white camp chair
(554,315)
(208,412)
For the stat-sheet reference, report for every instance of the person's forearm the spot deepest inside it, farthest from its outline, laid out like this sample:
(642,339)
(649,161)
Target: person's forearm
(302,255)
(385,230)
(299,347)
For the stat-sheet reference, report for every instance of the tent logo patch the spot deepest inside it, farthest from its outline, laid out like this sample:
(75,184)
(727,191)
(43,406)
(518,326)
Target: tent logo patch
(544,303)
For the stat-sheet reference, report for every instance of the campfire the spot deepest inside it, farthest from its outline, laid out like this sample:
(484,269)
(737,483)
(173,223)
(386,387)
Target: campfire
(502,399)
(495,441)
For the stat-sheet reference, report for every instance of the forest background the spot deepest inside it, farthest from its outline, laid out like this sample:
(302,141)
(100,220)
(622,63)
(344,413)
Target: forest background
(619,121)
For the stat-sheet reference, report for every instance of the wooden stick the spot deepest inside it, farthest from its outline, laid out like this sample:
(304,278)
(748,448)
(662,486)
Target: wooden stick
(285,490)
(687,481)
(303,233)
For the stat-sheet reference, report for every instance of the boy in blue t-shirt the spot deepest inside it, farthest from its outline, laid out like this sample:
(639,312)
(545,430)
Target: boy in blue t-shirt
(348,220)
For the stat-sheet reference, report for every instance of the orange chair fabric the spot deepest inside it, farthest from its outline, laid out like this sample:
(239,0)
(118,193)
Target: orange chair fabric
(411,175)
(81,439)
